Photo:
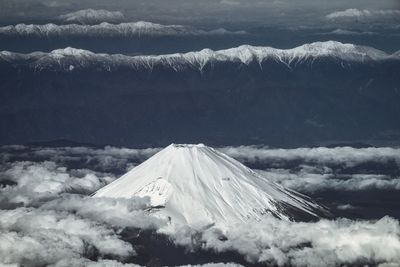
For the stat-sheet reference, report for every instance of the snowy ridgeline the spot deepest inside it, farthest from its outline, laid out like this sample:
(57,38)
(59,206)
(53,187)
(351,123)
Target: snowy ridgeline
(71,58)
(105,29)
(198,186)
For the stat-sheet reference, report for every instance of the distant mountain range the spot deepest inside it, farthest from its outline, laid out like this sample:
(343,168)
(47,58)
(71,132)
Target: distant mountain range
(106,29)
(88,16)
(71,58)
(325,92)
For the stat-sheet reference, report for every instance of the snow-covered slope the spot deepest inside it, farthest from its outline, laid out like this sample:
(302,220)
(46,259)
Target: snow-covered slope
(85,16)
(198,186)
(105,29)
(70,58)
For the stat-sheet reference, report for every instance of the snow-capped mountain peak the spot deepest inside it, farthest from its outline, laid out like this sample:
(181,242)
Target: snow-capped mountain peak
(331,49)
(70,51)
(92,16)
(245,54)
(198,186)
(106,29)
(334,48)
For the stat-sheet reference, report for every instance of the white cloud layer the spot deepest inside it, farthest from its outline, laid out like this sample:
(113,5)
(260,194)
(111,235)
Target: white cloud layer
(35,237)
(310,180)
(109,155)
(314,166)
(105,158)
(214,265)
(45,180)
(346,156)
(117,212)
(82,262)
(324,243)
(61,226)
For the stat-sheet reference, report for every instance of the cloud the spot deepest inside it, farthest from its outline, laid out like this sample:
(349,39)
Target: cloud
(103,159)
(310,180)
(214,265)
(346,156)
(120,213)
(90,16)
(105,29)
(62,226)
(323,243)
(112,263)
(303,169)
(32,181)
(36,237)
(72,228)
(82,262)
(106,159)
(317,169)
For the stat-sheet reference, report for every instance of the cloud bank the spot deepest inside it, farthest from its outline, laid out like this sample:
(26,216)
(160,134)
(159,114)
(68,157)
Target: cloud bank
(34,237)
(53,221)
(318,169)
(346,156)
(324,243)
(106,159)
(33,182)
(304,169)
(311,180)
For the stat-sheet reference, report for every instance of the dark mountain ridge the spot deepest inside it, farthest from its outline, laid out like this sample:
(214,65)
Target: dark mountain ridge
(236,99)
